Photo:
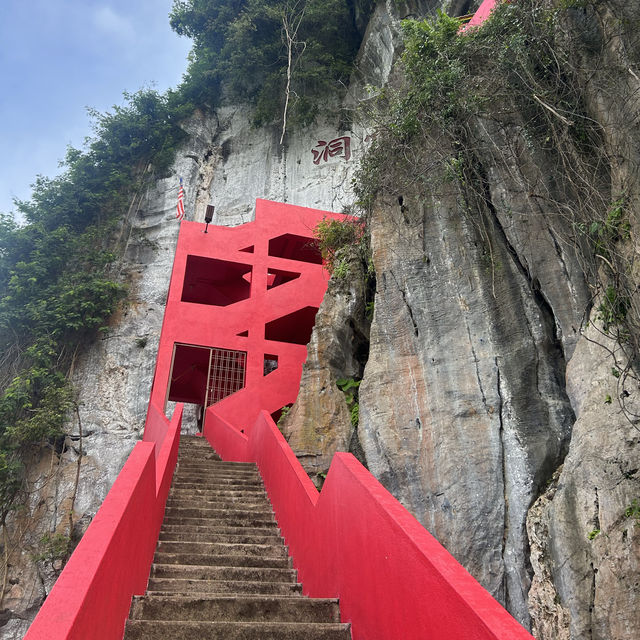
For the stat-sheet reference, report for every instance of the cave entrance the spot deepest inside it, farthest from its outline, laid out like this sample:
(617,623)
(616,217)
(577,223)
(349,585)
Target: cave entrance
(205,375)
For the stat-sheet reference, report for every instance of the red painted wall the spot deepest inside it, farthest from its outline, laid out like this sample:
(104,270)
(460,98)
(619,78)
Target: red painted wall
(193,323)
(92,596)
(355,541)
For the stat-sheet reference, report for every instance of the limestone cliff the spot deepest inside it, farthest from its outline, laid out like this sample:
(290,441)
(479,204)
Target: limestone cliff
(487,402)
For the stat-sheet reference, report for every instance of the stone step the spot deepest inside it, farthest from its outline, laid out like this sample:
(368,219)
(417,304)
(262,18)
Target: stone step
(206,459)
(214,529)
(213,477)
(231,560)
(238,608)
(203,513)
(213,469)
(201,453)
(221,502)
(243,574)
(184,630)
(186,586)
(254,505)
(247,538)
(246,519)
(195,463)
(205,462)
(213,481)
(204,494)
(223,549)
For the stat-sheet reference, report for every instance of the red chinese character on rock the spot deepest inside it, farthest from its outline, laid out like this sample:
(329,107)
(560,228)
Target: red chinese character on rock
(325,150)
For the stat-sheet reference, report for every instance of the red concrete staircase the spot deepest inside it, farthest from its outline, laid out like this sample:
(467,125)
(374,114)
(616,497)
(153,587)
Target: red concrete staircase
(221,569)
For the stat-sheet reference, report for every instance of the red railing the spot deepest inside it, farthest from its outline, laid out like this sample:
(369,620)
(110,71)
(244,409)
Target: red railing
(356,542)
(92,596)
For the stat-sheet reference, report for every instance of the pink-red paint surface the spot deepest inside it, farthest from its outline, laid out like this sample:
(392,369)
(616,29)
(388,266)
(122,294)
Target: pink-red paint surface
(356,542)
(212,325)
(91,598)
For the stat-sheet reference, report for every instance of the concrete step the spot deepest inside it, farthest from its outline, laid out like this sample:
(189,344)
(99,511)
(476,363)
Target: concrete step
(232,560)
(253,504)
(221,502)
(204,494)
(203,513)
(215,529)
(196,464)
(223,549)
(186,586)
(217,483)
(246,519)
(242,574)
(238,608)
(183,630)
(212,481)
(247,538)
(206,460)
(213,469)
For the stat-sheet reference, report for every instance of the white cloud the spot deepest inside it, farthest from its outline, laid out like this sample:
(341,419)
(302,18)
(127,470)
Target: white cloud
(112,23)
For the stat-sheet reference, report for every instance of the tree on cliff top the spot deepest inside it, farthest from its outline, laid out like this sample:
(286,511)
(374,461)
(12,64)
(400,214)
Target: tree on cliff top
(241,52)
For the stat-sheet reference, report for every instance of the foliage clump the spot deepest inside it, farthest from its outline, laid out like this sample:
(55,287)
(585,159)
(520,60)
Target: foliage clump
(339,242)
(59,283)
(243,50)
(522,76)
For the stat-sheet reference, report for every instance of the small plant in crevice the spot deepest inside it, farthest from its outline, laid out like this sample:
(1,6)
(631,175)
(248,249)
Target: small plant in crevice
(613,309)
(633,511)
(284,412)
(53,548)
(339,241)
(593,534)
(350,388)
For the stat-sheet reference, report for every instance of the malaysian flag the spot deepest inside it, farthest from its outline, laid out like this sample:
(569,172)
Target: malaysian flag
(180,207)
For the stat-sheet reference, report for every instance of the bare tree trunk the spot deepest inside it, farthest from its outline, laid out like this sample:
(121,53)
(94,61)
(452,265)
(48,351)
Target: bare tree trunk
(77,480)
(291,21)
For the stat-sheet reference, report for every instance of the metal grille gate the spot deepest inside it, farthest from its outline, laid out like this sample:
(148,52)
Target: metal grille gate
(227,370)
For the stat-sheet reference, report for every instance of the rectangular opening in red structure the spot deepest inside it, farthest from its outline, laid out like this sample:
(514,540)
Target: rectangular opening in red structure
(206,375)
(294,328)
(188,381)
(215,282)
(295,247)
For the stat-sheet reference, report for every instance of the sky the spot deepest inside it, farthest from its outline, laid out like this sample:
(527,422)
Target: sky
(58,57)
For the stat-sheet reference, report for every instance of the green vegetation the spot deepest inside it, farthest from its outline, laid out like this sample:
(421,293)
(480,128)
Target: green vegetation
(339,242)
(58,275)
(284,412)
(274,54)
(516,78)
(350,388)
(633,511)
(593,534)
(53,547)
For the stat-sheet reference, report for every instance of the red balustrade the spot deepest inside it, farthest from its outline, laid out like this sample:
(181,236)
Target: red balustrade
(356,542)
(92,596)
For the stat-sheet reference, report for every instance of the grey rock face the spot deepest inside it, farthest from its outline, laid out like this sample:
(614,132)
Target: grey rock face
(319,423)
(591,548)
(463,410)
